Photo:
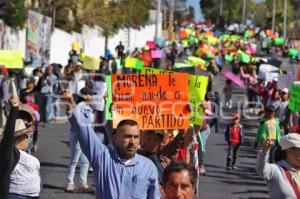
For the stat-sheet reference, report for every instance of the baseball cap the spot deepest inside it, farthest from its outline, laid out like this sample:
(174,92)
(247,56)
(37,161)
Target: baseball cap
(290,141)
(285,90)
(87,91)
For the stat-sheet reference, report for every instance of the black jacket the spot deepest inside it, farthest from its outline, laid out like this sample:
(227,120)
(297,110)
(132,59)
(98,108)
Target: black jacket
(9,154)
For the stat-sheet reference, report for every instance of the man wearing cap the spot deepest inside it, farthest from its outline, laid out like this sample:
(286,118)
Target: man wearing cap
(119,171)
(283,177)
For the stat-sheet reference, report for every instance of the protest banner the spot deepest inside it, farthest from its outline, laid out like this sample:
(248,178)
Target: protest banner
(197,90)
(294,102)
(154,101)
(108,100)
(285,81)
(11,59)
(91,63)
(38,37)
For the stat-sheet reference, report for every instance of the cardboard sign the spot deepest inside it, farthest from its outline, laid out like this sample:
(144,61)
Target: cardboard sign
(154,101)
(11,59)
(91,63)
(294,102)
(197,90)
(285,81)
(108,100)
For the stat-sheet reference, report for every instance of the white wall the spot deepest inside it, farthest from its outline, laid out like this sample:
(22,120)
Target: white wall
(90,39)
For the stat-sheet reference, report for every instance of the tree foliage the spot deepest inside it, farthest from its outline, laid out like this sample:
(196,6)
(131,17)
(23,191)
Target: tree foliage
(14,13)
(260,13)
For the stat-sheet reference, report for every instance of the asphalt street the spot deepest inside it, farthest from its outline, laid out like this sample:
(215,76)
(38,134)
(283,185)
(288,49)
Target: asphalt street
(218,183)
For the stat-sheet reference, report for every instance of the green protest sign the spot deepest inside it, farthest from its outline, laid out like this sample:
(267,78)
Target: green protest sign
(119,64)
(294,102)
(108,101)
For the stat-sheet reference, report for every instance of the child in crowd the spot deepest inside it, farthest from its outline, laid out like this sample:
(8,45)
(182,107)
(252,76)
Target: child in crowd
(228,93)
(234,138)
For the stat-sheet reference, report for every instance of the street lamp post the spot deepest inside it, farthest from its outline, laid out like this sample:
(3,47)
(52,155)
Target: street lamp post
(274,17)
(158,9)
(285,19)
(244,11)
(221,7)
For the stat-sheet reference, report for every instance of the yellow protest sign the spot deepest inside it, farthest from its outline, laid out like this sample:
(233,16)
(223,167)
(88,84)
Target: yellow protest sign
(196,61)
(91,63)
(12,59)
(197,90)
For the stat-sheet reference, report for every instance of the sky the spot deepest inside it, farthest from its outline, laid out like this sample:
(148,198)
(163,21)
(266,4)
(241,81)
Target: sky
(196,5)
(198,13)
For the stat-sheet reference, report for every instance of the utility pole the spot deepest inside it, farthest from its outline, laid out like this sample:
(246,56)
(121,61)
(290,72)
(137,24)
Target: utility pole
(158,9)
(285,19)
(221,7)
(274,17)
(171,20)
(244,11)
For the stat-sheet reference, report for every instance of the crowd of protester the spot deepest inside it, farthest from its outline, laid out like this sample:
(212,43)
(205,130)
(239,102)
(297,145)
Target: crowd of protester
(150,164)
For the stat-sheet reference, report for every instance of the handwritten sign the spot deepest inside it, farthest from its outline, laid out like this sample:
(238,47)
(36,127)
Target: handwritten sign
(294,102)
(11,59)
(197,90)
(154,101)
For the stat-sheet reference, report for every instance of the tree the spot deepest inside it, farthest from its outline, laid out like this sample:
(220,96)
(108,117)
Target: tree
(14,13)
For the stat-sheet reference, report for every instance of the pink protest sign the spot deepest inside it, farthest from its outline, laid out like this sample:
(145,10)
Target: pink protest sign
(156,54)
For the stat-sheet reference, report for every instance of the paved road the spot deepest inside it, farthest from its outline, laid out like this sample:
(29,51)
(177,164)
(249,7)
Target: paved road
(218,183)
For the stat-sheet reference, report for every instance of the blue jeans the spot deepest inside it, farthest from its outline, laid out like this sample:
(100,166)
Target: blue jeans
(56,107)
(46,103)
(16,196)
(76,155)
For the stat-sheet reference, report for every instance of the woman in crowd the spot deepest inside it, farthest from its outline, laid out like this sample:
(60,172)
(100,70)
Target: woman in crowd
(19,171)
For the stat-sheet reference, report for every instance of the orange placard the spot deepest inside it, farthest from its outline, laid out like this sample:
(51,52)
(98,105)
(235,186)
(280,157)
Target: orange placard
(154,101)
